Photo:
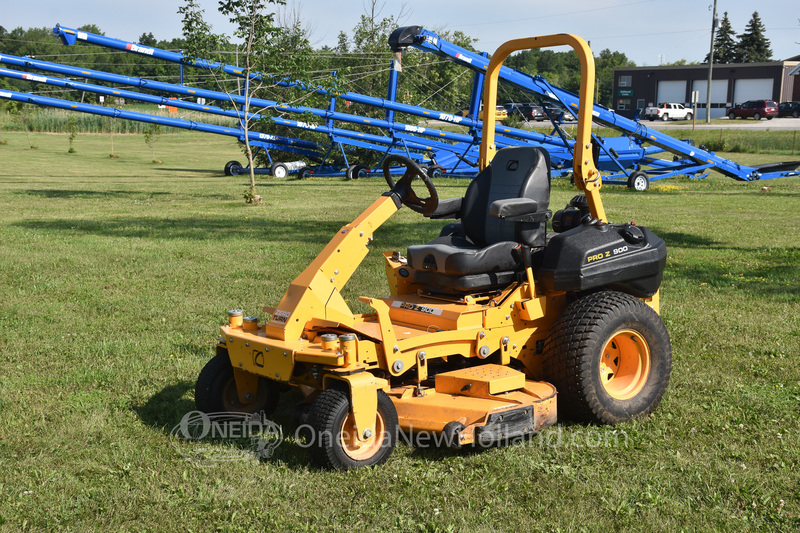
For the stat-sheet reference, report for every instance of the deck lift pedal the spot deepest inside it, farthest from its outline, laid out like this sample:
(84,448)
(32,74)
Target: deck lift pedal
(480,321)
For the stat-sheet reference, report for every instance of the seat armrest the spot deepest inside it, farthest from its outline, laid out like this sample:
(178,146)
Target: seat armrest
(518,210)
(450,208)
(513,207)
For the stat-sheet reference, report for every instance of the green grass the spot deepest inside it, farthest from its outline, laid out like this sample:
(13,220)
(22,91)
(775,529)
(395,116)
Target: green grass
(116,274)
(52,120)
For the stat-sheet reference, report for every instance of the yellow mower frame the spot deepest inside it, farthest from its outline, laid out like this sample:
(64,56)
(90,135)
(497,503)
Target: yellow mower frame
(313,340)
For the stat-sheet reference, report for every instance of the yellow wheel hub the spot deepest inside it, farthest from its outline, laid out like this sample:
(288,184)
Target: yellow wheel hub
(231,403)
(625,364)
(357,449)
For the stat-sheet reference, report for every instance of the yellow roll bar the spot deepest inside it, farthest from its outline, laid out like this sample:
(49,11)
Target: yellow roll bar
(587,177)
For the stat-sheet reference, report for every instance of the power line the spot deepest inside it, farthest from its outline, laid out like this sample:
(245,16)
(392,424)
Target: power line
(540,17)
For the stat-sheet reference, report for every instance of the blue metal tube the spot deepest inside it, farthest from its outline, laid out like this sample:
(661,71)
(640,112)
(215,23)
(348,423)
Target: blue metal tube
(272,141)
(72,36)
(430,42)
(365,140)
(416,144)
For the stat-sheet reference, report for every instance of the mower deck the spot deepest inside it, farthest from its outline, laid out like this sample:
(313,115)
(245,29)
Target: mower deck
(492,402)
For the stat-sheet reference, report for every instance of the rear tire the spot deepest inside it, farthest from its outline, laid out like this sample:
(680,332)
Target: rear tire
(610,358)
(215,391)
(335,444)
(304,173)
(664,117)
(732,115)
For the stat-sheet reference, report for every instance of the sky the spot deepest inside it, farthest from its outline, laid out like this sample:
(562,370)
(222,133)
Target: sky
(648,32)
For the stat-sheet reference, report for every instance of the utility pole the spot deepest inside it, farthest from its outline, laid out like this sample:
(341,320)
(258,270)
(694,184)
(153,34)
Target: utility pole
(711,63)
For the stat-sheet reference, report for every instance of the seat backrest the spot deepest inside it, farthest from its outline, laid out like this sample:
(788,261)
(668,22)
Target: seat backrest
(515,172)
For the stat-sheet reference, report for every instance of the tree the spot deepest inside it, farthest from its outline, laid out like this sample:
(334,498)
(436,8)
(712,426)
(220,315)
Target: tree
(91,28)
(605,63)
(71,128)
(23,111)
(754,47)
(724,43)
(366,52)
(559,68)
(150,137)
(3,113)
(265,48)
(148,39)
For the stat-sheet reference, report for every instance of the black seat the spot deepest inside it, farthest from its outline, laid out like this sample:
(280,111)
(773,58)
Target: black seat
(504,206)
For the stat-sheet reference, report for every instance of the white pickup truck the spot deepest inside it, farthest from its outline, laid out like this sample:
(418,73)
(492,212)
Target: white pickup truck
(668,111)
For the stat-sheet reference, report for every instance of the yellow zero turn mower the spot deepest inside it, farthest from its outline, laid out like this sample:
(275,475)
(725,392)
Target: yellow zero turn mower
(484,323)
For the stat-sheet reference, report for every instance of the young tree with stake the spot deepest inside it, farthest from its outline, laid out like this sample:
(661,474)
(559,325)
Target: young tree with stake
(261,51)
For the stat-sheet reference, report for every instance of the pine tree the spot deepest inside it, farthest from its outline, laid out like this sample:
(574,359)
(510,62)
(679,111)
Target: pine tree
(724,43)
(753,47)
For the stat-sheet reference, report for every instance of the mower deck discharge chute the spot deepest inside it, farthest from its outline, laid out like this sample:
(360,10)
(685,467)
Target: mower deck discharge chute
(483,324)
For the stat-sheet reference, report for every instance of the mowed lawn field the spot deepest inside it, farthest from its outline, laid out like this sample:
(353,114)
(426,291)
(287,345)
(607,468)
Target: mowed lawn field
(115,275)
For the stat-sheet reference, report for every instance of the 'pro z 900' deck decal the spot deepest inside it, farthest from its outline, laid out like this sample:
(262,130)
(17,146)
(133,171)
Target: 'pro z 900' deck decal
(606,255)
(418,308)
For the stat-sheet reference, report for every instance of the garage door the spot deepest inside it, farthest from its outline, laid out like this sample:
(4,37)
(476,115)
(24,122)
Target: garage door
(745,90)
(672,91)
(719,97)
(719,91)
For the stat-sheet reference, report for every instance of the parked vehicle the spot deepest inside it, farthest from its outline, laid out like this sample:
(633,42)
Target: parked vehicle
(527,111)
(789,109)
(499,114)
(666,111)
(558,112)
(757,109)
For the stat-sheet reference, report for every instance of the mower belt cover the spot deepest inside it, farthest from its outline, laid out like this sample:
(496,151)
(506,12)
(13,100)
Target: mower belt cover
(623,257)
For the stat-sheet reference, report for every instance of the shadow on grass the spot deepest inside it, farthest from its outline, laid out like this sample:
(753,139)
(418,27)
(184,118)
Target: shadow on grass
(432,448)
(78,193)
(165,409)
(191,228)
(773,273)
(394,234)
(193,173)
(685,240)
(168,408)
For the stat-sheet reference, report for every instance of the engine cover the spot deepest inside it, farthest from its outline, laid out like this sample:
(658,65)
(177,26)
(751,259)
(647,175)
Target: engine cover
(623,257)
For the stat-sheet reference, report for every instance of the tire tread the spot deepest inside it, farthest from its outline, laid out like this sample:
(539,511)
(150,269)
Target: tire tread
(575,336)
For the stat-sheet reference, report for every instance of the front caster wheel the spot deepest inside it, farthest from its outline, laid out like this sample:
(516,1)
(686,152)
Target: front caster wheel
(215,391)
(610,358)
(336,443)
